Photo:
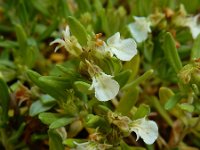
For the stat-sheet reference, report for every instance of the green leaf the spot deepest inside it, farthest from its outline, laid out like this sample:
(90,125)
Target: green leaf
(141,7)
(42,6)
(133,65)
(83,5)
(47,84)
(37,107)
(8,70)
(100,110)
(47,99)
(78,30)
(123,77)
(28,47)
(171,52)
(108,65)
(8,44)
(103,17)
(195,53)
(49,30)
(173,101)
(164,94)
(191,7)
(83,87)
(187,107)
(4,99)
(142,111)
(64,8)
(48,118)
(55,141)
(128,100)
(116,65)
(23,14)
(60,83)
(71,142)
(95,121)
(61,122)
(30,56)
(104,21)
(21,38)
(159,107)
(139,80)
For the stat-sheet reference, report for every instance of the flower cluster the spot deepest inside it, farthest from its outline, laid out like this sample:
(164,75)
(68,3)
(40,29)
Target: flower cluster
(106,88)
(146,129)
(104,85)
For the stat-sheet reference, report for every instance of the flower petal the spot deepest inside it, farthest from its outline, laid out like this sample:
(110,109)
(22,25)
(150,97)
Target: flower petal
(139,29)
(105,87)
(66,33)
(147,130)
(138,35)
(124,50)
(192,23)
(60,42)
(114,39)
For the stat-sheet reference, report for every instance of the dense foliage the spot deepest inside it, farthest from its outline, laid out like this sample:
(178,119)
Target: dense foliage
(99,74)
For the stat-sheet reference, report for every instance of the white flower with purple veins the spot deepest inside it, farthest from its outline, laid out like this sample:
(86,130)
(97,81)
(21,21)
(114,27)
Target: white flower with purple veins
(194,24)
(69,42)
(105,87)
(140,29)
(123,49)
(146,129)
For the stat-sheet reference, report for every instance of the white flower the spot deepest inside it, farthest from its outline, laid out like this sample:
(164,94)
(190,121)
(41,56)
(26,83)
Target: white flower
(147,130)
(124,50)
(194,25)
(70,43)
(140,28)
(105,87)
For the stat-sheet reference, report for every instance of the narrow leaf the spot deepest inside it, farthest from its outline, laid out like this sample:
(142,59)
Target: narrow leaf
(61,122)
(48,118)
(47,86)
(78,30)
(21,38)
(171,52)
(4,99)
(123,77)
(142,111)
(195,53)
(128,100)
(139,80)
(37,107)
(173,101)
(161,110)
(55,141)
(83,87)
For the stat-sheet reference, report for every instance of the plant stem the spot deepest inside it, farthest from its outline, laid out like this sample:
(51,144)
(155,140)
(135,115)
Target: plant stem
(4,140)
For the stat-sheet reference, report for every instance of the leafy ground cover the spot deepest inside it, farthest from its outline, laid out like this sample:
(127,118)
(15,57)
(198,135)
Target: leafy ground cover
(99,74)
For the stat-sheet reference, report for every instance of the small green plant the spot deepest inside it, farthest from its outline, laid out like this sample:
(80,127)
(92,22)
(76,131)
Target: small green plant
(98,75)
